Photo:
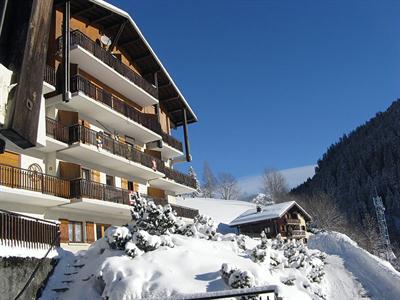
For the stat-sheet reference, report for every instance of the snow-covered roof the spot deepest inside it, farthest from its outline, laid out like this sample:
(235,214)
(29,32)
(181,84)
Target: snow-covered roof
(222,211)
(269,212)
(124,14)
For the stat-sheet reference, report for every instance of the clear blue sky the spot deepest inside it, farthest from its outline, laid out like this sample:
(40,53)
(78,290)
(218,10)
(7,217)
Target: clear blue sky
(274,83)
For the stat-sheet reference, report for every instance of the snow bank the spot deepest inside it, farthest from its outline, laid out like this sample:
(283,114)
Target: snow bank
(18,251)
(222,211)
(379,279)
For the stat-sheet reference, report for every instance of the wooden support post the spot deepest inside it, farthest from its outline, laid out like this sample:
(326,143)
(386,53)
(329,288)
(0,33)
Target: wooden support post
(157,108)
(23,50)
(185,133)
(116,38)
(66,52)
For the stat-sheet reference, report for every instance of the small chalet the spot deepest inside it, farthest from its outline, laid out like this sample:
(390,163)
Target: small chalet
(288,219)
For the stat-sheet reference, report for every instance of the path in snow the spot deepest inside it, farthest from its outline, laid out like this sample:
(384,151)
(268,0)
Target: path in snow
(379,279)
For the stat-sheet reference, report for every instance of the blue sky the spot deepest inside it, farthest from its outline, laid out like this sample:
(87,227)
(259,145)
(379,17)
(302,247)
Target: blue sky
(274,83)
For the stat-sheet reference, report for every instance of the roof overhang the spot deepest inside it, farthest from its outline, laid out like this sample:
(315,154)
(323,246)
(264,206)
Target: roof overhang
(109,20)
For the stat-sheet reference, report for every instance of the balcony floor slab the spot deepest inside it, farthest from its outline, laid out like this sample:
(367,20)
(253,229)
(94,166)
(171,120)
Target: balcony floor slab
(15,195)
(101,157)
(91,109)
(172,186)
(92,65)
(52,145)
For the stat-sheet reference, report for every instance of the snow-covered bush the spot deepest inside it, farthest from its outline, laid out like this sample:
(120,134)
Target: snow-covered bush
(148,242)
(155,219)
(203,227)
(261,252)
(117,237)
(132,250)
(237,279)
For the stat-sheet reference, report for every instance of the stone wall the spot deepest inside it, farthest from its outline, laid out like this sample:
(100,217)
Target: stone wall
(15,272)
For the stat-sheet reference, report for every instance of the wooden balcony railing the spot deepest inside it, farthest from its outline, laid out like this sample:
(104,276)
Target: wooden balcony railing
(56,130)
(24,231)
(173,142)
(79,83)
(33,181)
(298,233)
(180,177)
(79,133)
(93,190)
(80,39)
(292,221)
(185,212)
(49,75)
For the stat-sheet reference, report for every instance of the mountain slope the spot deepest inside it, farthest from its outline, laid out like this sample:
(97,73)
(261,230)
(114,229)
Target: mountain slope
(365,160)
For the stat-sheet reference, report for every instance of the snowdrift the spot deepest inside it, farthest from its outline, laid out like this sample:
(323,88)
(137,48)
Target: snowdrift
(378,277)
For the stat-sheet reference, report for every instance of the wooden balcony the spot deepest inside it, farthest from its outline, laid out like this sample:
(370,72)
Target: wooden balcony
(173,142)
(95,60)
(49,75)
(23,179)
(79,83)
(24,231)
(297,234)
(79,133)
(81,188)
(180,177)
(292,221)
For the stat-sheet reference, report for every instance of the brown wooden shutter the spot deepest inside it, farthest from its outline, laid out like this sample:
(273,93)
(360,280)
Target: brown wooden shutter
(96,176)
(10,159)
(69,170)
(155,193)
(124,183)
(68,118)
(64,238)
(89,232)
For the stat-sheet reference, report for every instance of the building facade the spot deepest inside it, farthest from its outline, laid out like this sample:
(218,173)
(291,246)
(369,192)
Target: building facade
(287,219)
(105,127)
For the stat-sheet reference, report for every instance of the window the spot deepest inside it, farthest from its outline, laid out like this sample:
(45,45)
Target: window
(100,229)
(131,187)
(283,228)
(110,180)
(75,232)
(268,229)
(85,174)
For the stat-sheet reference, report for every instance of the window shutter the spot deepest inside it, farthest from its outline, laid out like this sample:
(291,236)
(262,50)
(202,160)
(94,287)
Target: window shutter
(64,231)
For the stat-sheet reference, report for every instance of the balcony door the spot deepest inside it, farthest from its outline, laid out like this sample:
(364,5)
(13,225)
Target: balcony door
(8,175)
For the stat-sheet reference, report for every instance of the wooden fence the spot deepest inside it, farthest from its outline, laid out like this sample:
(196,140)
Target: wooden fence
(18,230)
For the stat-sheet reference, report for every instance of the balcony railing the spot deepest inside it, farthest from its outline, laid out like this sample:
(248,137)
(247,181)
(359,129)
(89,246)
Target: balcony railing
(93,190)
(57,131)
(298,233)
(79,133)
(33,181)
(292,221)
(180,177)
(49,75)
(79,83)
(80,39)
(173,142)
(25,231)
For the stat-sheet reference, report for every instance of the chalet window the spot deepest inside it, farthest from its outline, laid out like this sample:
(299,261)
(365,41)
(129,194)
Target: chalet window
(303,227)
(75,234)
(110,180)
(283,228)
(100,229)
(268,229)
(85,174)
(131,186)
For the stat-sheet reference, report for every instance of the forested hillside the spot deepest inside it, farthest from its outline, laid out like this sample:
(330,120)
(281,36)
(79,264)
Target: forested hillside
(366,159)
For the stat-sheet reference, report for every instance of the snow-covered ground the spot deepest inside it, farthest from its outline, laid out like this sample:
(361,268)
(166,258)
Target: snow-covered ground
(378,278)
(6,250)
(222,211)
(193,265)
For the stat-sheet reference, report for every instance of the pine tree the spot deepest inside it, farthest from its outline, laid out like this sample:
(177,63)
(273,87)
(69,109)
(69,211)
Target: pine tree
(193,174)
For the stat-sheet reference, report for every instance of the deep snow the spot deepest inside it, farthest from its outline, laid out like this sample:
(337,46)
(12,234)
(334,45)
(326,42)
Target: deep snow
(378,277)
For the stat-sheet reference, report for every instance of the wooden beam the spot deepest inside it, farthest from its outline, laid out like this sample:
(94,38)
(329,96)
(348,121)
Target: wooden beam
(83,11)
(66,59)
(95,21)
(186,136)
(31,20)
(116,38)
(142,57)
(125,43)
(169,99)
(165,85)
(111,27)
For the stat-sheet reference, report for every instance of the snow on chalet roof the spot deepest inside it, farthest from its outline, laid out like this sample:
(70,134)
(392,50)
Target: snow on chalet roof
(268,212)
